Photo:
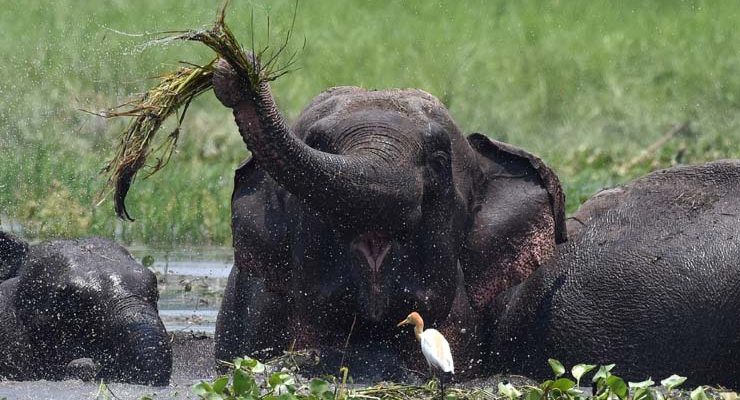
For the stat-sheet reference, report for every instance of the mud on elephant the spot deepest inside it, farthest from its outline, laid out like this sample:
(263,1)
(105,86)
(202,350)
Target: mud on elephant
(371,205)
(73,299)
(649,280)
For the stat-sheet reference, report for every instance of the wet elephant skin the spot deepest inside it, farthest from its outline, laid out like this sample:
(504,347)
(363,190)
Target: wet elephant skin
(76,299)
(648,280)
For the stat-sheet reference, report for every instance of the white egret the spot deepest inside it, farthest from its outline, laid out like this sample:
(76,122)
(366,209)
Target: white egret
(434,346)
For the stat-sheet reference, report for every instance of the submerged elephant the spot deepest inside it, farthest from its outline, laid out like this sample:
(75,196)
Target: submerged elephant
(649,280)
(373,204)
(74,299)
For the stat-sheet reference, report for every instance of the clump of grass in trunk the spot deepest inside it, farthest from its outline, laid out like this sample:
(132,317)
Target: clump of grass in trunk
(175,91)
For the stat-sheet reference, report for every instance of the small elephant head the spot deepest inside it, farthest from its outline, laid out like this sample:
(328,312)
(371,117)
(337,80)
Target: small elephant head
(90,299)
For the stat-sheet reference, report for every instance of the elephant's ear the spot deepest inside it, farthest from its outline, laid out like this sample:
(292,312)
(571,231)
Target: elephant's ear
(501,160)
(519,217)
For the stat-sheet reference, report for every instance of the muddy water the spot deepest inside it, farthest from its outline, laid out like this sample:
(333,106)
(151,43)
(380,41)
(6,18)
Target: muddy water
(191,285)
(192,361)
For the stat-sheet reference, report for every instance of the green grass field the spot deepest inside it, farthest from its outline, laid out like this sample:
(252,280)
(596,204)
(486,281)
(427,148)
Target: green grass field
(586,85)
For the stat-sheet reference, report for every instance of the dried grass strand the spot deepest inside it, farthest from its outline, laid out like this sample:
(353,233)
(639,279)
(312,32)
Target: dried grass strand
(175,91)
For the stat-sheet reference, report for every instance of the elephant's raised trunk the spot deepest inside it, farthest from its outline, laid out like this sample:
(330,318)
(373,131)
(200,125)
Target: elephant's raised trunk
(142,353)
(370,178)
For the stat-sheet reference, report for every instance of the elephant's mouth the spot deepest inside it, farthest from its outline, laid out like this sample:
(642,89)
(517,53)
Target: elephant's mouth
(374,246)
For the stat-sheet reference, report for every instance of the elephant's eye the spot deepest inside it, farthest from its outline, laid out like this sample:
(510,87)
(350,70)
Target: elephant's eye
(440,157)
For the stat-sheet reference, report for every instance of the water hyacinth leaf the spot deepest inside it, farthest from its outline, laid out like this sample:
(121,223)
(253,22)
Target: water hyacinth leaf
(253,365)
(575,392)
(640,385)
(318,387)
(147,261)
(699,394)
(508,390)
(643,393)
(673,381)
(617,386)
(557,367)
(605,395)
(220,384)
(546,384)
(244,384)
(202,389)
(282,383)
(279,378)
(563,384)
(284,396)
(534,394)
(285,389)
(603,372)
(579,370)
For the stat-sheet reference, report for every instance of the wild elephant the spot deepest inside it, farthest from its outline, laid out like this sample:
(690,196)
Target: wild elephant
(370,205)
(73,299)
(649,280)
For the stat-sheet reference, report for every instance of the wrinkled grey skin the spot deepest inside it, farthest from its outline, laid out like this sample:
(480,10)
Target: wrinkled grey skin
(649,280)
(73,299)
(371,205)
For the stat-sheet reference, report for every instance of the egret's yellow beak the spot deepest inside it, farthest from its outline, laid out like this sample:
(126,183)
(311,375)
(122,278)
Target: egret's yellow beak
(404,322)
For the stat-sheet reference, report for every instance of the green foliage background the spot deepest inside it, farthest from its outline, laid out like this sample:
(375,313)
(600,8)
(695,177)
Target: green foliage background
(586,85)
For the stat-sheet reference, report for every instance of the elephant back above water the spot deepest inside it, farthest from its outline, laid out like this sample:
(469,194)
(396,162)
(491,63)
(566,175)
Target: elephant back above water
(650,280)
(74,299)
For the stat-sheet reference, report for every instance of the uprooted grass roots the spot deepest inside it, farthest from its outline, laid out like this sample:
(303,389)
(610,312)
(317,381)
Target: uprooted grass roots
(174,92)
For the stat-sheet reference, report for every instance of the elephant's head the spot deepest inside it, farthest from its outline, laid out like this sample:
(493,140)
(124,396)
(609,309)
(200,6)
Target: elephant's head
(90,299)
(395,195)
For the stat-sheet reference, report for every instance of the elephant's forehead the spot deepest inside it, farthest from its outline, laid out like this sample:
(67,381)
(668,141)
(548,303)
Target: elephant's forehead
(117,284)
(91,280)
(342,101)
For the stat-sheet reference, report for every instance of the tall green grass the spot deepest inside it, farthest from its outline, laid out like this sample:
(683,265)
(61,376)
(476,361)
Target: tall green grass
(586,85)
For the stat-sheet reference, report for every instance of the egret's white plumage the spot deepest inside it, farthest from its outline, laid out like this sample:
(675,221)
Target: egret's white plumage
(436,350)
(434,346)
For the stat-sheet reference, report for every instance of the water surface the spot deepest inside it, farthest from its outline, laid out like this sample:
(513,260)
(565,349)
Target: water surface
(191,284)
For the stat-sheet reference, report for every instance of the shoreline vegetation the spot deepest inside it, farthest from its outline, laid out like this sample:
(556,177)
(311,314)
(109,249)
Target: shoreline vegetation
(603,93)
